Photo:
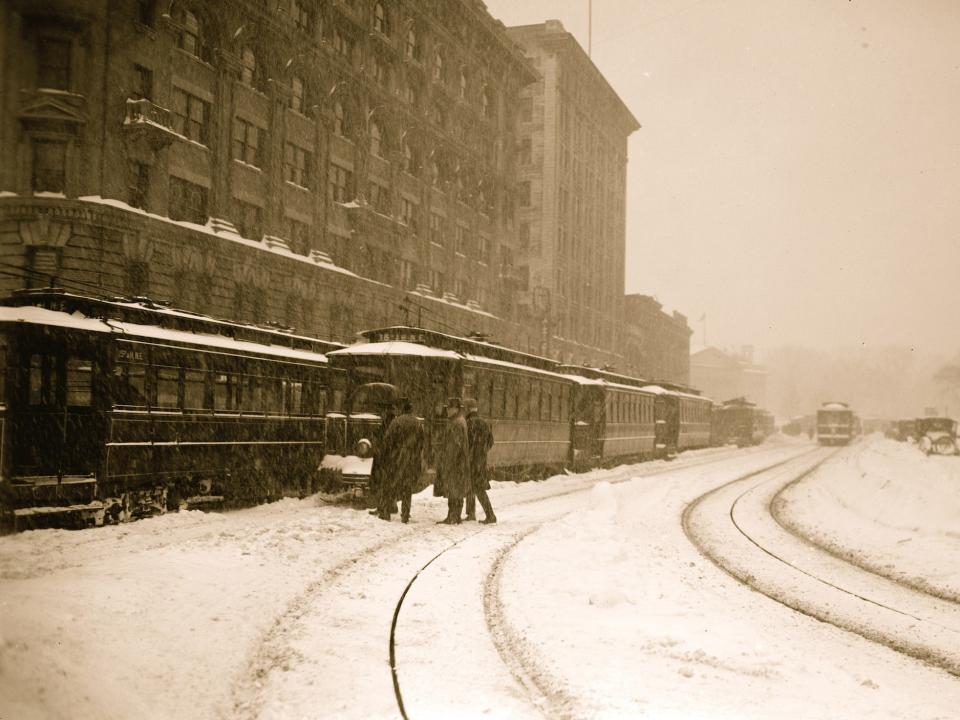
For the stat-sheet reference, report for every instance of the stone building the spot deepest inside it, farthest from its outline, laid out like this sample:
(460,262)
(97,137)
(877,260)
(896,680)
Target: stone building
(657,343)
(330,166)
(725,375)
(572,156)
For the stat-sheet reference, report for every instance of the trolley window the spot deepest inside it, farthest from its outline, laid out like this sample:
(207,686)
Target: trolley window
(79,378)
(168,387)
(225,392)
(43,380)
(194,389)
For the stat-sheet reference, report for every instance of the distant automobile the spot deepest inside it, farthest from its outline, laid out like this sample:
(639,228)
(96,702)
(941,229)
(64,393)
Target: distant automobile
(937,435)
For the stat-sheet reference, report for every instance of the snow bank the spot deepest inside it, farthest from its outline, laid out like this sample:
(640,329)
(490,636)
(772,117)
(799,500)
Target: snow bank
(887,507)
(632,621)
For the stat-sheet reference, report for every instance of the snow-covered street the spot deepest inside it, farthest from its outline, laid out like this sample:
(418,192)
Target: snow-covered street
(587,599)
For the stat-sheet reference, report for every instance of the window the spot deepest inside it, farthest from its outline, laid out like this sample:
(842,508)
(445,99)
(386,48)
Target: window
(463,240)
(53,63)
(296,95)
(137,277)
(189,31)
(483,249)
(296,165)
(408,213)
(436,228)
(132,383)
(79,382)
(523,239)
(194,389)
(190,116)
(298,233)
(142,83)
(146,12)
(302,16)
(438,67)
(188,201)
(463,84)
(43,380)
(44,264)
(248,67)
(49,166)
(226,390)
(249,220)
(342,44)
(408,274)
(168,387)
(526,151)
(340,180)
(139,185)
(339,119)
(412,47)
(246,143)
(379,18)
(379,198)
(437,282)
(376,140)
(485,102)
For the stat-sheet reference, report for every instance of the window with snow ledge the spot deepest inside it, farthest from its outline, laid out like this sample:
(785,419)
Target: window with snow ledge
(49,165)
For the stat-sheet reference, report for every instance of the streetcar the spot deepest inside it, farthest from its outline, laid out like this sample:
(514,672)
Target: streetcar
(837,424)
(545,416)
(114,410)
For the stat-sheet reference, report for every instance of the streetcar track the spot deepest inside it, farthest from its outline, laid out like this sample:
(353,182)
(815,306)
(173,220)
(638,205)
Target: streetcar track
(848,556)
(915,650)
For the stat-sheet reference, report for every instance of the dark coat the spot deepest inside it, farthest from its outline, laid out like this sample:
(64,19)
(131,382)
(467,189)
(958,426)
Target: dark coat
(403,446)
(453,459)
(480,440)
(378,465)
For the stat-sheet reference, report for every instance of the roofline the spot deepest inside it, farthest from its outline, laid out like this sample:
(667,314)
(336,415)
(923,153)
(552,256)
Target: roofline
(567,38)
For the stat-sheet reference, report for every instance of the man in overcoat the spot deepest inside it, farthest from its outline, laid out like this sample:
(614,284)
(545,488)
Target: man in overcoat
(479,441)
(404,443)
(453,461)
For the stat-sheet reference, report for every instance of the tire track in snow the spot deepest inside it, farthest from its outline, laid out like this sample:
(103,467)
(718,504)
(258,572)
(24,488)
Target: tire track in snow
(713,531)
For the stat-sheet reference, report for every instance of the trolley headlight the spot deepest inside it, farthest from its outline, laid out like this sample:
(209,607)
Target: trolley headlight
(363,448)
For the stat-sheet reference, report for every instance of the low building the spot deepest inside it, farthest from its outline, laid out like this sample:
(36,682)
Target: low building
(657,343)
(724,375)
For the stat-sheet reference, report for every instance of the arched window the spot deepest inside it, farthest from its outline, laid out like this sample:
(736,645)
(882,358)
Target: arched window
(248,66)
(485,104)
(380,18)
(463,84)
(189,30)
(438,67)
(339,119)
(407,157)
(376,140)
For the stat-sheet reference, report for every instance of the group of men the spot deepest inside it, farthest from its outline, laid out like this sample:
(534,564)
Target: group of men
(461,462)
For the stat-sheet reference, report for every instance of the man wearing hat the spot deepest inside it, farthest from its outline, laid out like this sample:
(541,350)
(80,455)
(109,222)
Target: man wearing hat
(479,440)
(453,461)
(404,443)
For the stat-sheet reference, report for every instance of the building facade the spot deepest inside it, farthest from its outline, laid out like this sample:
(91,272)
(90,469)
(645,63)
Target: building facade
(572,157)
(727,375)
(657,343)
(330,166)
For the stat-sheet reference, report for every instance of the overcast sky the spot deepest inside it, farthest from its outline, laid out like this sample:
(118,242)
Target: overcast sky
(796,176)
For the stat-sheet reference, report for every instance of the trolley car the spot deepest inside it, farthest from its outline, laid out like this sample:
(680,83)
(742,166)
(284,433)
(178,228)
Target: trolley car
(837,424)
(544,415)
(114,410)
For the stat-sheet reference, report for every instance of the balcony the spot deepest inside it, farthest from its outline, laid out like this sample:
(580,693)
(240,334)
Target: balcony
(148,123)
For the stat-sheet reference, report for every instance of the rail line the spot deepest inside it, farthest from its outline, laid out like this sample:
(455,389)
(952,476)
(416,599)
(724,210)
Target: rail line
(862,602)
(533,679)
